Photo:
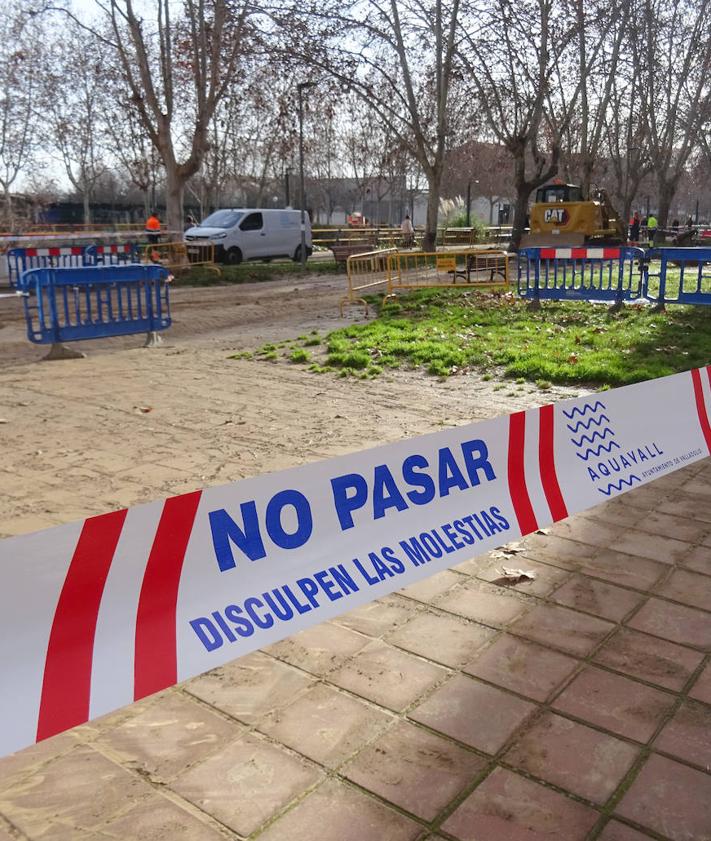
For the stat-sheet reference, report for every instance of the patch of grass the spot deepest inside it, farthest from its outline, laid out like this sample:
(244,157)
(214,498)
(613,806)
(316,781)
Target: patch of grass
(243,354)
(299,356)
(312,341)
(445,331)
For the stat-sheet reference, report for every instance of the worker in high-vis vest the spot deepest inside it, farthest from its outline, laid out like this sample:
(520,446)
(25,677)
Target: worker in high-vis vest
(652,226)
(153,228)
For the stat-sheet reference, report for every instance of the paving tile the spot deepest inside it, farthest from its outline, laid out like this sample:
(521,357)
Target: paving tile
(701,690)
(616,831)
(320,649)
(19,765)
(326,725)
(430,589)
(388,676)
(522,666)
(377,618)
(598,597)
(547,578)
(626,570)
(615,703)
(338,812)
(251,687)
(688,735)
(688,587)
(567,554)
(445,639)
(246,783)
(615,512)
(700,486)
(665,524)
(508,807)
(650,659)
(573,756)
(158,819)
(674,622)
(472,712)
(168,737)
(670,798)
(686,505)
(598,534)
(416,770)
(698,559)
(566,629)
(484,603)
(64,795)
(652,547)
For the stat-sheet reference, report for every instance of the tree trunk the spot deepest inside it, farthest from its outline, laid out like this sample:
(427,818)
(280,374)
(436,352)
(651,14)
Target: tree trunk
(434,182)
(667,189)
(523,191)
(87,208)
(174,186)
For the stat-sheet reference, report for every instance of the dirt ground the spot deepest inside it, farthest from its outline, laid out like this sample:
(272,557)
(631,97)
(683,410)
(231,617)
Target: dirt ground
(129,424)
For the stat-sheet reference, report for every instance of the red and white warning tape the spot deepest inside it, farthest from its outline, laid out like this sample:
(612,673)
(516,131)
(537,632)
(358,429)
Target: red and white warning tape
(580,254)
(97,614)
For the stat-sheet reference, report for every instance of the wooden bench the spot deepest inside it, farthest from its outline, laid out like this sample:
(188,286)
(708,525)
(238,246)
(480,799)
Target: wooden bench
(343,250)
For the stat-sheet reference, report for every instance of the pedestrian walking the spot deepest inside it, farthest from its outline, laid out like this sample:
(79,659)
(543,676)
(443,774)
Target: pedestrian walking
(408,232)
(634,227)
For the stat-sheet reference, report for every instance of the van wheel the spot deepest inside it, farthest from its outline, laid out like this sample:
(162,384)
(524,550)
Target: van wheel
(297,254)
(233,257)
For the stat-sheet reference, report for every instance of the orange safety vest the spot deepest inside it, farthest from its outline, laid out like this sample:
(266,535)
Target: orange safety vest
(153,224)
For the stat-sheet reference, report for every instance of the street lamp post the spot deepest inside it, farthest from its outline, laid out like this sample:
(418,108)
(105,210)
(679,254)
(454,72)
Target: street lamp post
(469,201)
(301,87)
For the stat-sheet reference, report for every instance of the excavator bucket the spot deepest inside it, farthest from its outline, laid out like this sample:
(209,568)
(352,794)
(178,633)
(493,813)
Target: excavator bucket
(547,240)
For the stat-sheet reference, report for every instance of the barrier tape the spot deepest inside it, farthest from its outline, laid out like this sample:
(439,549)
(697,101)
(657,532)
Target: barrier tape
(97,614)
(580,253)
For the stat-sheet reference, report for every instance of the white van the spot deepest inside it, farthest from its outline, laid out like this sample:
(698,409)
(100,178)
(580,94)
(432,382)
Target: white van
(251,234)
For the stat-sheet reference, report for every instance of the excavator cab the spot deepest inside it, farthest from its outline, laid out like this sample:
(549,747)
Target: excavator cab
(561,216)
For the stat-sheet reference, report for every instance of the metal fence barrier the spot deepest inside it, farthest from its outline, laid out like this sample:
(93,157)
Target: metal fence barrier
(574,274)
(366,271)
(71,304)
(683,276)
(420,269)
(111,255)
(177,256)
(21,260)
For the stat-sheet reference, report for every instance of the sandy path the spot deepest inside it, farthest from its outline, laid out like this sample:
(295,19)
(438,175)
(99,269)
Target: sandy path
(76,438)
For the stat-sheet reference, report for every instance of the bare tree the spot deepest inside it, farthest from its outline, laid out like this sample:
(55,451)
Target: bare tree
(19,66)
(177,70)
(73,93)
(398,57)
(514,93)
(672,49)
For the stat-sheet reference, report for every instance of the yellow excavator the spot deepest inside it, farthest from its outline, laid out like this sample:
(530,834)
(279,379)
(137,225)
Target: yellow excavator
(561,216)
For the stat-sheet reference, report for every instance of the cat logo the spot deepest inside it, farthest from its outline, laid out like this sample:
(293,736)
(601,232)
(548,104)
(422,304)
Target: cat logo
(556,215)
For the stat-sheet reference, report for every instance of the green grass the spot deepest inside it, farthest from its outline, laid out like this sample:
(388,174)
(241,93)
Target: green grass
(446,331)
(250,273)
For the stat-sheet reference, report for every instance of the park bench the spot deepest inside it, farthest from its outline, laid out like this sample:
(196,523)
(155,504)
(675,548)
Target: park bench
(343,250)
(72,304)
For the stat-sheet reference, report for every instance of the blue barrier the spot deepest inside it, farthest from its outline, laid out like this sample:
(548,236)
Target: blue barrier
(693,285)
(67,305)
(581,274)
(111,255)
(21,260)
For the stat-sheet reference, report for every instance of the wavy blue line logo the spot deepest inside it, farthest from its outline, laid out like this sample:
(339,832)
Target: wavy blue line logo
(586,426)
(590,439)
(608,464)
(584,409)
(607,448)
(617,486)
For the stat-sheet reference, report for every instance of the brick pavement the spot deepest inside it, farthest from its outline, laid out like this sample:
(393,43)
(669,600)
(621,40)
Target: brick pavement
(573,707)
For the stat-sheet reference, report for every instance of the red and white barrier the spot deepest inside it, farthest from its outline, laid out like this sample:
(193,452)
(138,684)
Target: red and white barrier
(580,254)
(97,614)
